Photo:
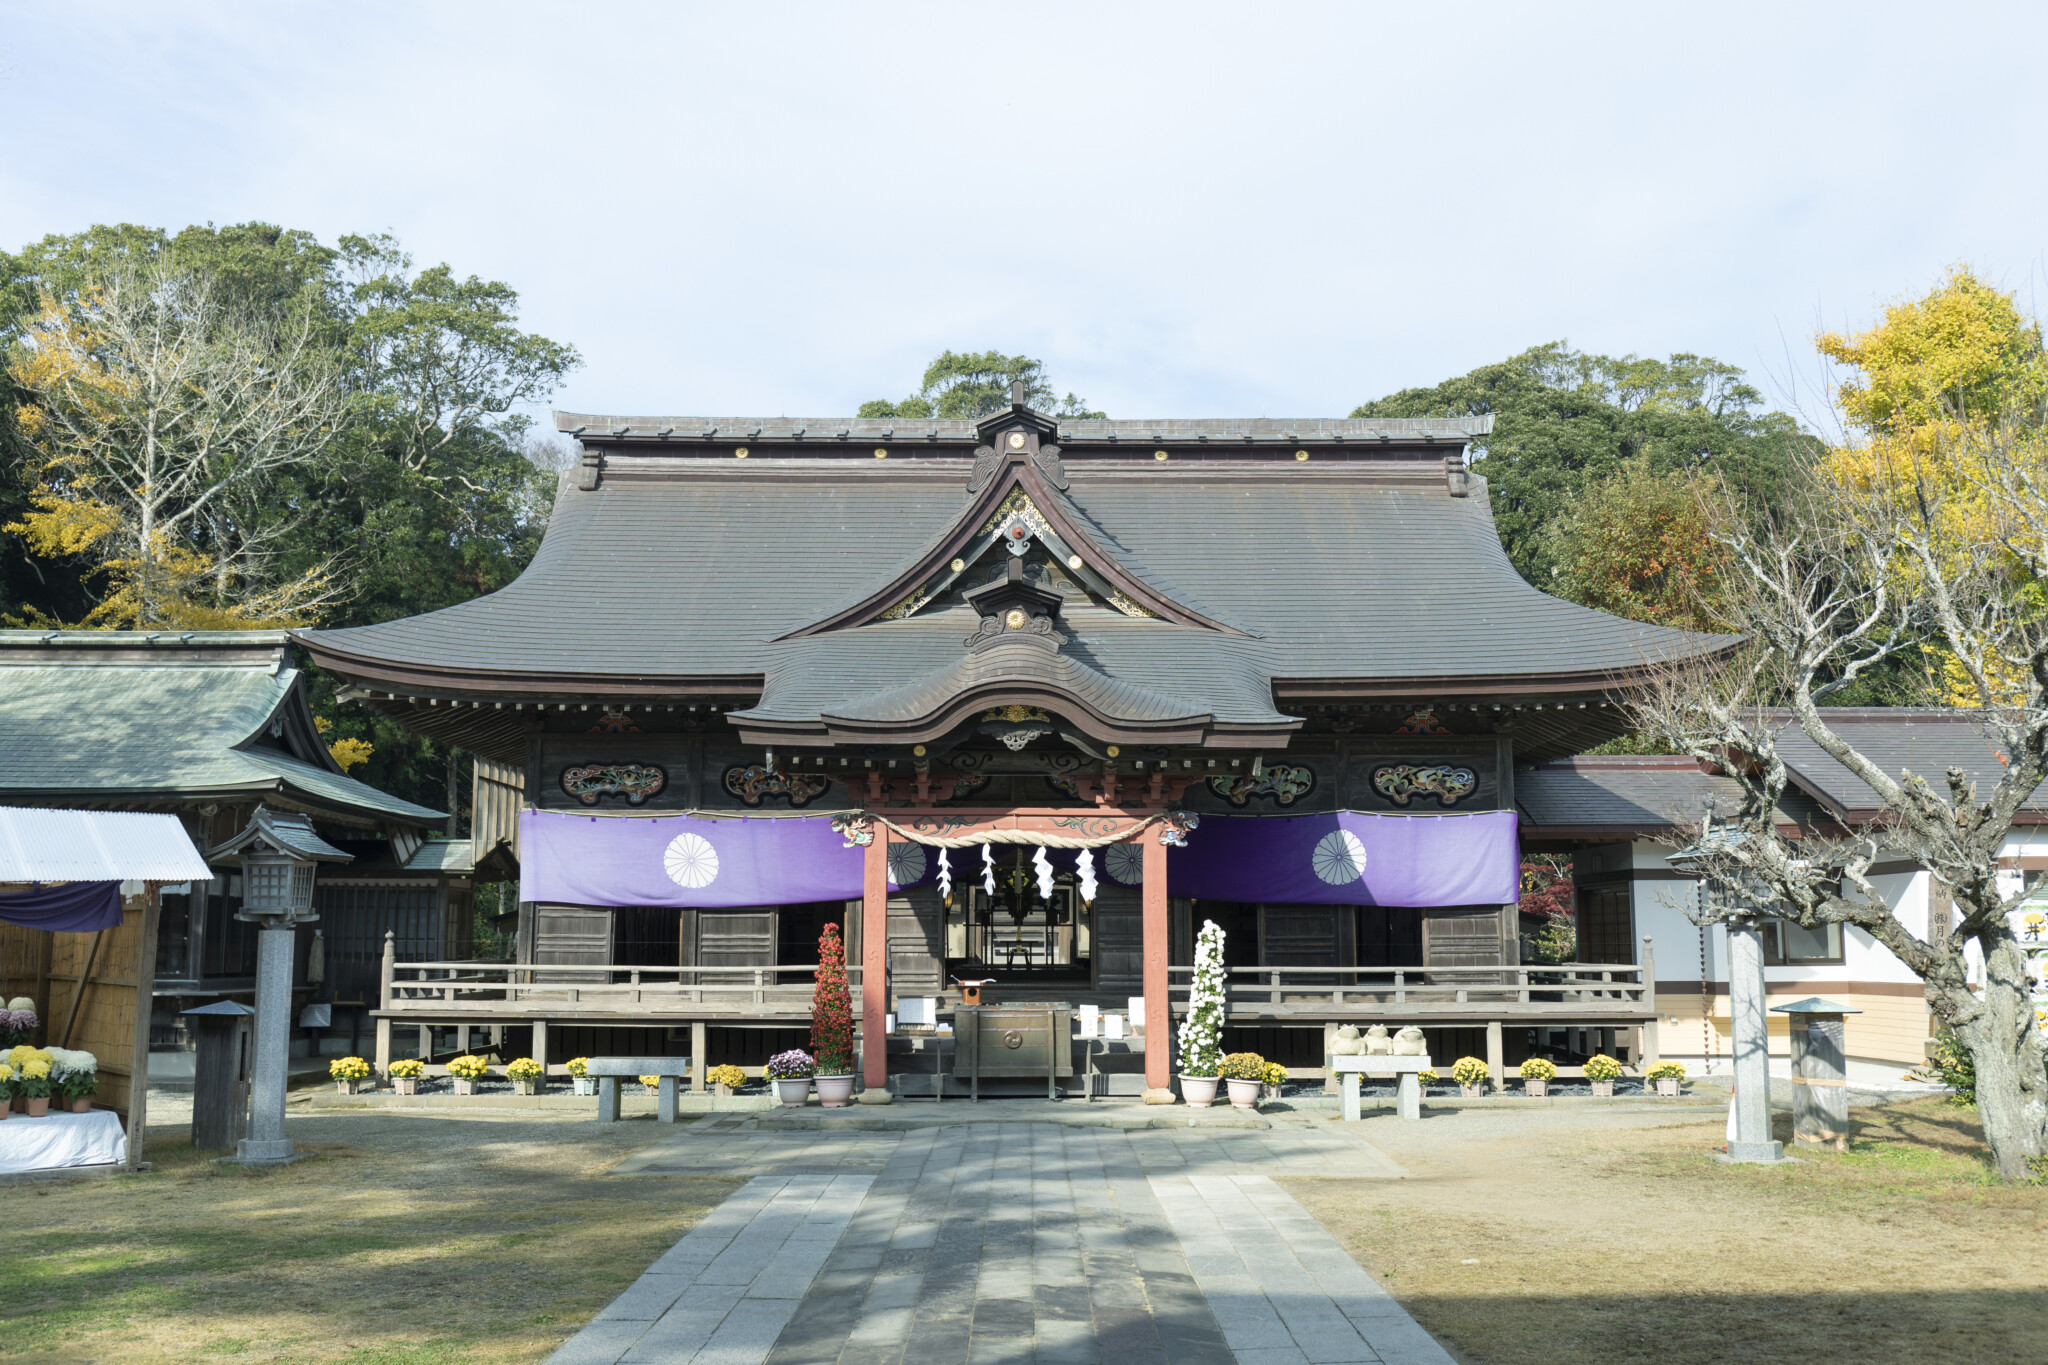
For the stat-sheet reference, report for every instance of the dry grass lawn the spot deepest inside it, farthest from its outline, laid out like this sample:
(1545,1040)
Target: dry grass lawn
(1603,1244)
(411,1243)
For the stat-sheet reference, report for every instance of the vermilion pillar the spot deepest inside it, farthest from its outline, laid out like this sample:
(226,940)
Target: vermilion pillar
(874,960)
(1158,1017)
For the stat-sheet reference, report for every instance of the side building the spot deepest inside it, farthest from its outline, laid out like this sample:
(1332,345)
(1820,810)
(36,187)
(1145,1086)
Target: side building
(213,727)
(1619,818)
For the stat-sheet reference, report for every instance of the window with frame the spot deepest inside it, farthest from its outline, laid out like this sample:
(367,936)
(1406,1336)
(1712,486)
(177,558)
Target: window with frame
(1787,944)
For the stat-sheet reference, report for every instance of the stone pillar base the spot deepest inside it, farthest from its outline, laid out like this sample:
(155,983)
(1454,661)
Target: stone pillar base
(1160,1097)
(874,1094)
(1753,1154)
(258,1152)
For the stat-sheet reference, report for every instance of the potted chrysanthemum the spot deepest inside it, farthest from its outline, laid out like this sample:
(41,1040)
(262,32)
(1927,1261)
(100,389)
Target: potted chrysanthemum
(652,1085)
(725,1079)
(7,1079)
(76,1073)
(17,1022)
(1666,1076)
(1275,1077)
(526,1074)
(579,1069)
(792,1071)
(32,1080)
(1201,1032)
(349,1073)
(832,1023)
(1537,1073)
(405,1075)
(1244,1073)
(469,1072)
(1470,1073)
(1601,1072)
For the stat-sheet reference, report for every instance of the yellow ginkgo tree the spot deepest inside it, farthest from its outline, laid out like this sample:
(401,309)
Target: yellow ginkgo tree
(160,418)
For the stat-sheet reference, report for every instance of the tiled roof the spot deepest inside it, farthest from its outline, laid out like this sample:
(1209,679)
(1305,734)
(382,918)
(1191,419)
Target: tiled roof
(1632,794)
(81,720)
(698,575)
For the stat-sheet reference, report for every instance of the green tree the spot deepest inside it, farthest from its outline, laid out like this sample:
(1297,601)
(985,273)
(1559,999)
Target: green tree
(968,384)
(426,493)
(1562,417)
(1639,543)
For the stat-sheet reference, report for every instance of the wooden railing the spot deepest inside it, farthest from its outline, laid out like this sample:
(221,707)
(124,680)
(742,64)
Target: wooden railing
(450,988)
(1546,988)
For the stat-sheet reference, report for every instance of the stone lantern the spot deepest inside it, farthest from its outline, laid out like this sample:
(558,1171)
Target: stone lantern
(1820,1079)
(278,854)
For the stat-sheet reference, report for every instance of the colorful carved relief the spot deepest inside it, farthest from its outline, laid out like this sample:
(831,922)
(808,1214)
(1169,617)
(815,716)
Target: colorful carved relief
(1066,786)
(755,783)
(1401,783)
(1284,784)
(613,723)
(969,784)
(1421,722)
(591,782)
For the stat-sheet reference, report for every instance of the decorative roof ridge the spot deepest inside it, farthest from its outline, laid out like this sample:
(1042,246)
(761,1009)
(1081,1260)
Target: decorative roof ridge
(808,430)
(922,576)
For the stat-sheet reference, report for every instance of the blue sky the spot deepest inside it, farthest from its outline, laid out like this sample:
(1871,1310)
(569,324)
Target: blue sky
(1185,210)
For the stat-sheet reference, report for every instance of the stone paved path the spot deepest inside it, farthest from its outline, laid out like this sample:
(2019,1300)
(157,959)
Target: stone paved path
(1005,1242)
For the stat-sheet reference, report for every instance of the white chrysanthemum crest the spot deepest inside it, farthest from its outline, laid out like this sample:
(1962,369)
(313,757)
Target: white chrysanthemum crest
(1201,1032)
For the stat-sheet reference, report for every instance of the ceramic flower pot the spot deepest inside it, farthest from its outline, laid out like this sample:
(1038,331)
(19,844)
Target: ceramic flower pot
(1244,1094)
(405,1085)
(463,1087)
(793,1092)
(6,1105)
(82,1105)
(36,1105)
(723,1092)
(1269,1092)
(653,1091)
(835,1092)
(1668,1087)
(1536,1089)
(528,1086)
(1471,1092)
(348,1087)
(1198,1091)
(586,1085)
(1603,1090)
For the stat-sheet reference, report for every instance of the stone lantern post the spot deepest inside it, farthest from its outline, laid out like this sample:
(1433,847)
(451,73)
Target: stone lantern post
(1749,1025)
(278,854)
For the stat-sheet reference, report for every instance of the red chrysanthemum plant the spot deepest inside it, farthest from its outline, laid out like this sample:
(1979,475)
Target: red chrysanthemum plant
(832,1008)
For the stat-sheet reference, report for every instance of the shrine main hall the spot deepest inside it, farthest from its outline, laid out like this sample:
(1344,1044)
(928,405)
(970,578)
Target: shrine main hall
(1025,700)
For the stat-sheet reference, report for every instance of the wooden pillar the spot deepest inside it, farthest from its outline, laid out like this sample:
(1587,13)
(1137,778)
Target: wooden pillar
(1158,1013)
(874,961)
(427,1041)
(698,1043)
(1496,1066)
(540,1045)
(384,1048)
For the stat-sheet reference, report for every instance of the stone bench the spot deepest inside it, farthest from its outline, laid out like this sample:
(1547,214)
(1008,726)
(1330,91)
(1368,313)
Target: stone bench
(609,1071)
(1408,1092)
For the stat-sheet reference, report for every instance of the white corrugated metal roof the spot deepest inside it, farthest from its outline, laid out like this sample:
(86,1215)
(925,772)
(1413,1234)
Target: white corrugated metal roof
(95,846)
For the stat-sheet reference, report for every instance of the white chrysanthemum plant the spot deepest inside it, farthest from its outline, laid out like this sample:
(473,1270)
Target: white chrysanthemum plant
(1201,1032)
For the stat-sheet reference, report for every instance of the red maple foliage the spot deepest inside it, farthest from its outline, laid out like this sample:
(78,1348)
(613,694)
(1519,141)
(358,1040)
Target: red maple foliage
(832,1008)
(1547,888)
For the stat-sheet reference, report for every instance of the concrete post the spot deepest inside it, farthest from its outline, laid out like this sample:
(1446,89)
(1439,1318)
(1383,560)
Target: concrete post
(1496,1055)
(266,1143)
(1748,1024)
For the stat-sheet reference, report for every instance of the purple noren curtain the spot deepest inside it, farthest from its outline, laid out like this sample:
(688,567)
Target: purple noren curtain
(73,908)
(1349,858)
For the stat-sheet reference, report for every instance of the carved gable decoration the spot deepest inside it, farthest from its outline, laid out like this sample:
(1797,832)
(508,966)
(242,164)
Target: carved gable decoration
(1401,783)
(591,782)
(754,783)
